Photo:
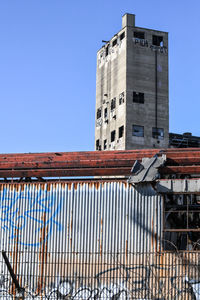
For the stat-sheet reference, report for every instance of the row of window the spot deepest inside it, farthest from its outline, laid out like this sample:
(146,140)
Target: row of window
(137,98)
(156,39)
(112,106)
(122,35)
(157,133)
(137,130)
(112,138)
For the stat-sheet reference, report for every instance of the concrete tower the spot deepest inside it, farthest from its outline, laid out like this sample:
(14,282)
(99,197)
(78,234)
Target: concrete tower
(132,89)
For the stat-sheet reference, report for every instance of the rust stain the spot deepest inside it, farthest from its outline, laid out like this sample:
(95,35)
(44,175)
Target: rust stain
(22,186)
(100,249)
(48,187)
(63,185)
(90,184)
(42,186)
(69,185)
(97,185)
(20,281)
(42,255)
(161,263)
(126,184)
(75,185)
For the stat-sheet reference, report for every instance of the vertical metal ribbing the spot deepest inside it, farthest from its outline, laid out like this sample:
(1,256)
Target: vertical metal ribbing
(85,234)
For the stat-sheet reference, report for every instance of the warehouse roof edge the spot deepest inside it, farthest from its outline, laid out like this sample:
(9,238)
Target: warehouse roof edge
(179,163)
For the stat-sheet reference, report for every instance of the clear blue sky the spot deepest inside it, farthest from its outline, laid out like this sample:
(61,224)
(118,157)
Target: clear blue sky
(48,67)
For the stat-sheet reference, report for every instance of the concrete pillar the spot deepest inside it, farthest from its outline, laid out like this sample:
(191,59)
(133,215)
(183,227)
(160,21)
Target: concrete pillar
(128,20)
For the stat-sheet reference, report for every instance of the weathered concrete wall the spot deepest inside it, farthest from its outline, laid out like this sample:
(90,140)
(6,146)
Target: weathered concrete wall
(130,65)
(110,83)
(141,77)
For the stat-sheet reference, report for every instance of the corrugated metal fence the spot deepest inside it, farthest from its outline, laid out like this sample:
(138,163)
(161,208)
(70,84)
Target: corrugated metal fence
(87,240)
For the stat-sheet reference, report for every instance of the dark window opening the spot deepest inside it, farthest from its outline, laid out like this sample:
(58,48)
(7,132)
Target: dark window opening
(107,50)
(98,113)
(157,40)
(98,146)
(121,131)
(114,42)
(122,36)
(113,103)
(138,97)
(105,113)
(181,222)
(158,133)
(138,130)
(105,144)
(139,35)
(112,138)
(121,98)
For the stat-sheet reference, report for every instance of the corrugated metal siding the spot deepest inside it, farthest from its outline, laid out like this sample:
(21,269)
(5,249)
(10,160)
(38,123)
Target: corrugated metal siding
(78,239)
(83,217)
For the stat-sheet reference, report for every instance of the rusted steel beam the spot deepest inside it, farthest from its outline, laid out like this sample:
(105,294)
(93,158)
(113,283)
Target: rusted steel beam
(90,158)
(180,169)
(66,172)
(108,171)
(83,163)
(95,163)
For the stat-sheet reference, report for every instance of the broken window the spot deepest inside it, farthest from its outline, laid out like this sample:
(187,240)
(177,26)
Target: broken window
(98,113)
(114,42)
(158,133)
(138,130)
(112,138)
(122,36)
(105,144)
(139,35)
(181,222)
(105,113)
(121,98)
(121,131)
(98,146)
(113,104)
(138,97)
(157,40)
(107,50)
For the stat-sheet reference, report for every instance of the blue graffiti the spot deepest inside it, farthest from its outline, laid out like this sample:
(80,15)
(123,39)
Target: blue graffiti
(25,213)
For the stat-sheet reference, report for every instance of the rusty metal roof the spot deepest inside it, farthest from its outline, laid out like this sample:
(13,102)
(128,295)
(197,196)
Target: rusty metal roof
(185,161)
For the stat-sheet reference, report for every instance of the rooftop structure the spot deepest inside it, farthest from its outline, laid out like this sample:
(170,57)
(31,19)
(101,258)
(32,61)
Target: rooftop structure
(132,89)
(185,140)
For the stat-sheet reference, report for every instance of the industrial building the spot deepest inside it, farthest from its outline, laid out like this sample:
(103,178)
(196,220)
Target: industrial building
(132,105)
(132,102)
(134,237)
